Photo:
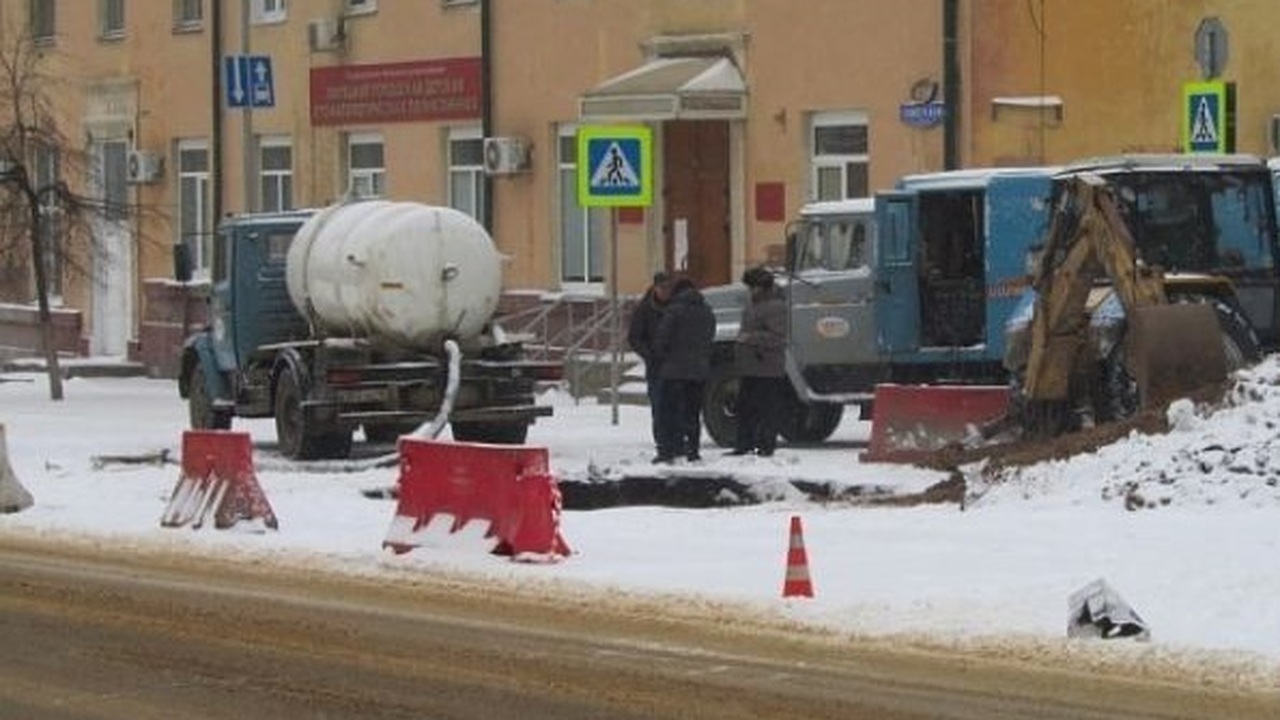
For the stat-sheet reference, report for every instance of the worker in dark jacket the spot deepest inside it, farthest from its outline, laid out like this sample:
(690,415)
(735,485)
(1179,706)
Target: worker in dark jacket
(642,336)
(685,336)
(760,363)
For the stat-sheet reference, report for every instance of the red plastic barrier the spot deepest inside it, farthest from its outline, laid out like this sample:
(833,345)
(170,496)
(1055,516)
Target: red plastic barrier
(910,421)
(217,479)
(509,486)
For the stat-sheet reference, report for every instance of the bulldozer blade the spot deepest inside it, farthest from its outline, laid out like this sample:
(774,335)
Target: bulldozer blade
(909,422)
(1173,350)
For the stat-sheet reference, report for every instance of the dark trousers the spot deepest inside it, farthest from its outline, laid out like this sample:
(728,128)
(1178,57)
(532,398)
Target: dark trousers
(653,386)
(760,405)
(680,417)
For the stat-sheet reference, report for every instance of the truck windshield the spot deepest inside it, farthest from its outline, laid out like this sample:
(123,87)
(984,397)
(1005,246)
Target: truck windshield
(833,244)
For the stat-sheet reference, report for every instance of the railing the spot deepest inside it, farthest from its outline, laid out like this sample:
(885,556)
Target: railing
(559,329)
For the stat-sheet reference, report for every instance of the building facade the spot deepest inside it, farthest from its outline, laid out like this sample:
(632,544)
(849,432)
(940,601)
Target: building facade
(196,109)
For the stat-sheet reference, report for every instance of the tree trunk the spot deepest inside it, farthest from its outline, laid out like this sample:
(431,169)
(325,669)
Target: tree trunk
(47,344)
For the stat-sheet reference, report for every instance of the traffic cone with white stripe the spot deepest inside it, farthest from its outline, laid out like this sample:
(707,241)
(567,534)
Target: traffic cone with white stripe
(797,583)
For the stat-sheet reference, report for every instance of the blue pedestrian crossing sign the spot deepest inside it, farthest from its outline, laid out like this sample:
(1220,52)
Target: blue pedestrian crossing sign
(615,166)
(1208,117)
(248,81)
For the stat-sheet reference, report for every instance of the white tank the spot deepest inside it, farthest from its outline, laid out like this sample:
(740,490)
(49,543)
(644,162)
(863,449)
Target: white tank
(403,272)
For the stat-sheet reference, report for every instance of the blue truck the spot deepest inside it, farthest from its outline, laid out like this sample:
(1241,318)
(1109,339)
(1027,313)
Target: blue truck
(917,284)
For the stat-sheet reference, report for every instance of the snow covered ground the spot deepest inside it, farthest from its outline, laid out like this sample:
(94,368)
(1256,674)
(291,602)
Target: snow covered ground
(1185,526)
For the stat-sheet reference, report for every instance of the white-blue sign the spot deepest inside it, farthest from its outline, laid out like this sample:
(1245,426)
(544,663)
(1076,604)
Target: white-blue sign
(924,114)
(248,80)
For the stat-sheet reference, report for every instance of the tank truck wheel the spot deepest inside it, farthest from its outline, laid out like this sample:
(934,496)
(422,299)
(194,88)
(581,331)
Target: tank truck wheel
(200,406)
(720,409)
(495,433)
(295,438)
(810,423)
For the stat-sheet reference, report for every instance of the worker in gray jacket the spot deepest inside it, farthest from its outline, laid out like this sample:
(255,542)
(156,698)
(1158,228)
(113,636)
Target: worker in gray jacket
(760,364)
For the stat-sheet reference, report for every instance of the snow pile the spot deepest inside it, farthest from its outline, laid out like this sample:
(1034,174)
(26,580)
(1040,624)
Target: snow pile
(1227,455)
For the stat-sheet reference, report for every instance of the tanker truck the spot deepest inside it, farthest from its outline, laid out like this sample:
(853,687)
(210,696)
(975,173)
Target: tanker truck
(371,314)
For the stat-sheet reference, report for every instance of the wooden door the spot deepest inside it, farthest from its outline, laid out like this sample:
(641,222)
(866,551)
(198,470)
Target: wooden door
(696,199)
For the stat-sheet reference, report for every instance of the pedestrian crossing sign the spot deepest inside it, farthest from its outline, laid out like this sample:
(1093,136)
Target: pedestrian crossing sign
(1208,117)
(615,166)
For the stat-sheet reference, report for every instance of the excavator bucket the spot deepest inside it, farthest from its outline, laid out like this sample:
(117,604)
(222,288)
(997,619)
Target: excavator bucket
(1173,350)
(908,422)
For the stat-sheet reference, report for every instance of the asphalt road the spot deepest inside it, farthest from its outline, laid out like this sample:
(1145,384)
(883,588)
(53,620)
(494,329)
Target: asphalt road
(88,632)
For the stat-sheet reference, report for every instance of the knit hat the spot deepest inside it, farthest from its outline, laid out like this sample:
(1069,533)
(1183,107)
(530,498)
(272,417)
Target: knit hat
(757,277)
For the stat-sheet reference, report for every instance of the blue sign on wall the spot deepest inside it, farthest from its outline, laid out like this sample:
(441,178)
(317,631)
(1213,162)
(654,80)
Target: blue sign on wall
(249,82)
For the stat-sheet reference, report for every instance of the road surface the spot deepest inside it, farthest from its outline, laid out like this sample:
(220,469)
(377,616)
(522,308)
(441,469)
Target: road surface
(93,633)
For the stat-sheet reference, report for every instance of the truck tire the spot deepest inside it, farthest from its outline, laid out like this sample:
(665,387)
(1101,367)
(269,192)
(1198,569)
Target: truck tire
(203,416)
(490,432)
(720,409)
(297,437)
(811,423)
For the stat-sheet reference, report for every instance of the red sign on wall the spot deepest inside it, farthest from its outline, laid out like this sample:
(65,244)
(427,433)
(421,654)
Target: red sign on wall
(396,92)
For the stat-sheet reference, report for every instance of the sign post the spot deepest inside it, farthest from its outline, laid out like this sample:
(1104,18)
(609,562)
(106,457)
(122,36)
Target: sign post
(615,169)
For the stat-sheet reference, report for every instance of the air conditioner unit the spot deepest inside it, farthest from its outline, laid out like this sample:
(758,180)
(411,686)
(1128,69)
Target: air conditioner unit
(143,166)
(505,155)
(325,35)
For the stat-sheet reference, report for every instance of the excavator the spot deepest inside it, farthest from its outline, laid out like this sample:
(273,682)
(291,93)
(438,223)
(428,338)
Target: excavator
(1105,334)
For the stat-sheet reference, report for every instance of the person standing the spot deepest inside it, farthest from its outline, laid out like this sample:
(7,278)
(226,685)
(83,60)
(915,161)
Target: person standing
(685,337)
(642,337)
(760,362)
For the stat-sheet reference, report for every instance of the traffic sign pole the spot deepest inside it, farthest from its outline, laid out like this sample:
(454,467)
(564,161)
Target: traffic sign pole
(615,369)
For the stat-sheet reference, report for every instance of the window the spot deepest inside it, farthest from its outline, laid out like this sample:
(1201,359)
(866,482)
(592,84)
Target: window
(45,175)
(187,13)
(41,15)
(840,146)
(265,11)
(466,172)
(366,169)
(355,7)
(582,230)
(194,221)
(111,18)
(275,165)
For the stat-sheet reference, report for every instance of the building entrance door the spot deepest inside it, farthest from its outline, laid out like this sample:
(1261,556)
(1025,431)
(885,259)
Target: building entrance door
(695,199)
(113,279)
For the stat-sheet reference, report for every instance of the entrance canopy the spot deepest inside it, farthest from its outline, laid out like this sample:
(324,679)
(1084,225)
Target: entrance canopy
(669,88)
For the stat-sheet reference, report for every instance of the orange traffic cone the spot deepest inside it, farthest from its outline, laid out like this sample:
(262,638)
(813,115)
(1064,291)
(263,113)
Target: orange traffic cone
(797,582)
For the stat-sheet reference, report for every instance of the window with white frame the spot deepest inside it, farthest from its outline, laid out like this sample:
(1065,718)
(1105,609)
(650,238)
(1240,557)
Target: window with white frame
(466,171)
(275,174)
(111,18)
(265,11)
(41,19)
(366,167)
(187,13)
(582,230)
(355,7)
(194,215)
(840,147)
(45,175)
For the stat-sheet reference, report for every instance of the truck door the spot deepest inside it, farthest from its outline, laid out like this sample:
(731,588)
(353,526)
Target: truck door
(221,302)
(1017,218)
(897,286)
(832,292)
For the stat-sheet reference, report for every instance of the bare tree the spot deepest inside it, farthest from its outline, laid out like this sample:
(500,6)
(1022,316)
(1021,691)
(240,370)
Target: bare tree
(44,217)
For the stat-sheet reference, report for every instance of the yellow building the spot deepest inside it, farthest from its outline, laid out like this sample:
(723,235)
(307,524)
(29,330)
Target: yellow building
(199,108)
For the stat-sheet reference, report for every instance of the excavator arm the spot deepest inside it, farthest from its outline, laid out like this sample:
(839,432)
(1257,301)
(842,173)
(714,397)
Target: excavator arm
(1088,242)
